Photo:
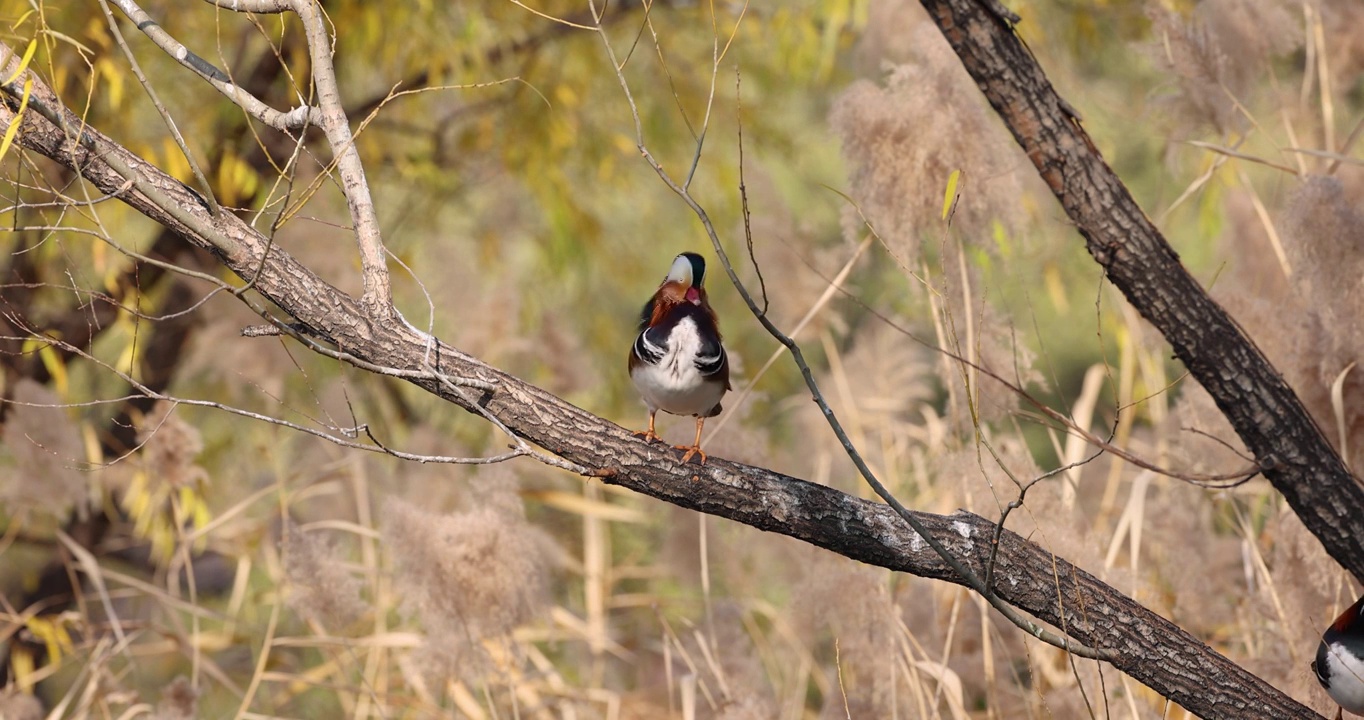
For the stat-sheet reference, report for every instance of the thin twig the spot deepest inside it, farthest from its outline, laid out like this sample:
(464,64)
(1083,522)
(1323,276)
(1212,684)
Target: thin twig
(743,190)
(1241,156)
(263,7)
(378,447)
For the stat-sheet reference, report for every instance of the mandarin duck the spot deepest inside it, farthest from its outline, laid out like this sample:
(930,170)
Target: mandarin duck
(1340,660)
(678,362)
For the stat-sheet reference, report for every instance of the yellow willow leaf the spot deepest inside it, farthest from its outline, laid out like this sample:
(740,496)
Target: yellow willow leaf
(833,26)
(136,499)
(21,662)
(245,180)
(97,32)
(20,21)
(54,636)
(90,438)
(142,521)
(174,162)
(17,120)
(950,197)
(24,61)
(1001,238)
(227,192)
(127,360)
(202,515)
(190,506)
(1056,288)
(118,83)
(56,368)
(61,78)
(980,257)
(114,81)
(202,518)
(99,252)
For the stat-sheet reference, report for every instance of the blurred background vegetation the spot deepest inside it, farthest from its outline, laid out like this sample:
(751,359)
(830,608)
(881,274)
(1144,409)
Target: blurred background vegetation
(527,230)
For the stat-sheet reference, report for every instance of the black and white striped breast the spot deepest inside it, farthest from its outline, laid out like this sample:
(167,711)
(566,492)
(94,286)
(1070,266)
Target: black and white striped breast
(679,360)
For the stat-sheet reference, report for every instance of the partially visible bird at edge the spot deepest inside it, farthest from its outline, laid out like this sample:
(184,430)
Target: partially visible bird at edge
(1340,660)
(678,362)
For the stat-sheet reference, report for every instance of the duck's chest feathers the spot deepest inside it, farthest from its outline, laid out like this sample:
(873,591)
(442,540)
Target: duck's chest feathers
(671,354)
(669,377)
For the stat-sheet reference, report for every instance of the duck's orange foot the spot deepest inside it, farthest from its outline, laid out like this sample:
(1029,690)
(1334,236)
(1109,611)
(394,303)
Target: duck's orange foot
(691,451)
(648,435)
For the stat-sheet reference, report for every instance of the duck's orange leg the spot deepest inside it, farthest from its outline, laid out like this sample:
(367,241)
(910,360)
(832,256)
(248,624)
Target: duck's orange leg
(695,448)
(649,435)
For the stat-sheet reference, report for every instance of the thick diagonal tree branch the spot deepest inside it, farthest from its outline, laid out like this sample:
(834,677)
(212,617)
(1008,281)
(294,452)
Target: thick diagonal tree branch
(1292,451)
(1150,648)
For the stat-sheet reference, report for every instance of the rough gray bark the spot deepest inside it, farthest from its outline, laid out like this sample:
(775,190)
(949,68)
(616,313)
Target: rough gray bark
(1293,453)
(1151,649)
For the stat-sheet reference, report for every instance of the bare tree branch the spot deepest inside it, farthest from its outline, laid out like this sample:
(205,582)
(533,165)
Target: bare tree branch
(1027,576)
(264,7)
(1293,453)
(301,116)
(378,297)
